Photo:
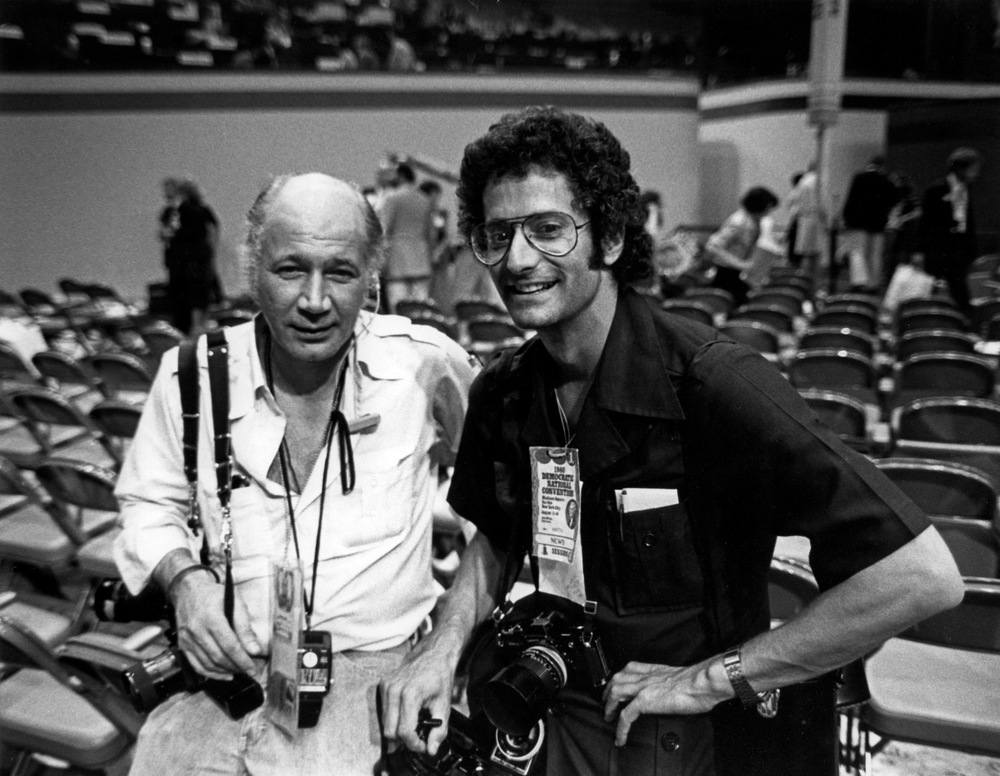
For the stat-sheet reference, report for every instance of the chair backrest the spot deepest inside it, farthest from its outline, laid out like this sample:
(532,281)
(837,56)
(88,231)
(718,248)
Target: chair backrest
(78,484)
(121,371)
(409,307)
(718,300)
(43,405)
(943,488)
(776,317)
(494,329)
(160,337)
(991,329)
(467,309)
(931,320)
(690,309)
(36,299)
(442,323)
(116,418)
(831,369)
(14,367)
(973,544)
(848,317)
(800,286)
(101,291)
(832,338)
(759,336)
(934,341)
(925,303)
(844,300)
(791,587)
(973,624)
(988,262)
(66,370)
(984,311)
(965,421)
(787,299)
(946,374)
(842,414)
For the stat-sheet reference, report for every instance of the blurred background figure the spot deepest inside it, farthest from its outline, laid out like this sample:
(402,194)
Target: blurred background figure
(731,247)
(811,221)
(408,220)
(901,228)
(870,198)
(193,282)
(793,204)
(948,227)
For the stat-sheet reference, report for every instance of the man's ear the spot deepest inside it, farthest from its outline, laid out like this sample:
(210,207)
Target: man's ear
(613,250)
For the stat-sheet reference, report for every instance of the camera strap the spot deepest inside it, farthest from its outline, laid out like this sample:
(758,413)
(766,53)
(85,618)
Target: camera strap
(218,381)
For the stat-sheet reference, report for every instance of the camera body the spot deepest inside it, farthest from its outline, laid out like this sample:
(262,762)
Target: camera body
(315,672)
(550,647)
(473,747)
(150,682)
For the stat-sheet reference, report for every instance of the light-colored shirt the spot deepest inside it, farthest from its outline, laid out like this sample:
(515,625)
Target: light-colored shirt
(374,584)
(959,198)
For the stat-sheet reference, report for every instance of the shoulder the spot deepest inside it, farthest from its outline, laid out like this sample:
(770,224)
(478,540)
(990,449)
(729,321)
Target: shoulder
(398,337)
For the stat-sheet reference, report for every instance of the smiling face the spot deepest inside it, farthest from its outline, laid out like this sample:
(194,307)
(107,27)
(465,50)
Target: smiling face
(551,294)
(312,274)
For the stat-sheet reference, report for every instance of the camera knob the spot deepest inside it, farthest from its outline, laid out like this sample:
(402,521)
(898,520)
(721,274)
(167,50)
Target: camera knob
(670,742)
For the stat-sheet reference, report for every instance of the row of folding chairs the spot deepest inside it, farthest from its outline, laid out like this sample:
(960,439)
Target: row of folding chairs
(481,326)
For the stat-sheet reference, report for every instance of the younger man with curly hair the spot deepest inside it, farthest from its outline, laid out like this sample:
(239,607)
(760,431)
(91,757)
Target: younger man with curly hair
(687,454)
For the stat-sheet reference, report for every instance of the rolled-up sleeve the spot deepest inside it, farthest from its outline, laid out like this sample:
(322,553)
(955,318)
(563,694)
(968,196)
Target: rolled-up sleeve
(152,489)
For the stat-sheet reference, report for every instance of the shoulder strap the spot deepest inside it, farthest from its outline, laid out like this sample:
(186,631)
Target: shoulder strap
(187,376)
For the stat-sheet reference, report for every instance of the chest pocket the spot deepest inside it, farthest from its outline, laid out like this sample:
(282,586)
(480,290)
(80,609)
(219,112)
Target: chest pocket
(653,560)
(387,482)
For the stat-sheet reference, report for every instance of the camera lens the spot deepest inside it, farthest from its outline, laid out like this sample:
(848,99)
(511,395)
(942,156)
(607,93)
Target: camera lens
(114,603)
(152,681)
(516,698)
(519,749)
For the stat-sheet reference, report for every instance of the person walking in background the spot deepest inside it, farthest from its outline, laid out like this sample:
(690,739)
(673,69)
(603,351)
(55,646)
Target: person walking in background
(811,221)
(947,225)
(870,198)
(731,247)
(408,220)
(191,259)
(793,204)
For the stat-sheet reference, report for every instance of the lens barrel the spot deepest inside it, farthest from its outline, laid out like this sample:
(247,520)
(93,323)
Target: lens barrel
(516,698)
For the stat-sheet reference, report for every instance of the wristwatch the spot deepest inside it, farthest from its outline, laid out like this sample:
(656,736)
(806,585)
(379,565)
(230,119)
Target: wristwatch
(766,702)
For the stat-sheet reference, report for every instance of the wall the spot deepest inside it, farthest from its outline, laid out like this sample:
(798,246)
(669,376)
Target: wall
(82,157)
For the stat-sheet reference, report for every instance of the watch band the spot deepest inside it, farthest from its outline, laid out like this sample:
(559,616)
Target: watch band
(766,702)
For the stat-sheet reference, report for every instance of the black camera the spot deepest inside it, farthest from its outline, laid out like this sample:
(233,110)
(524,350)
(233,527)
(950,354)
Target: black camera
(315,668)
(473,746)
(114,603)
(553,642)
(150,682)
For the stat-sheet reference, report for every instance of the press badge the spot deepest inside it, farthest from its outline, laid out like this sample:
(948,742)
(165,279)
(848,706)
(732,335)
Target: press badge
(286,624)
(555,513)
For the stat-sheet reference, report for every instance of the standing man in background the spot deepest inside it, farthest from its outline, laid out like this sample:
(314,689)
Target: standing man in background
(408,219)
(870,199)
(948,226)
(191,264)
(684,454)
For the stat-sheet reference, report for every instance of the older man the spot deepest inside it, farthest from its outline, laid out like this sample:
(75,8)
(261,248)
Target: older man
(684,456)
(341,421)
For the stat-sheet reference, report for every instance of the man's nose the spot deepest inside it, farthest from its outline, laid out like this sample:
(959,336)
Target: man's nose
(314,297)
(522,254)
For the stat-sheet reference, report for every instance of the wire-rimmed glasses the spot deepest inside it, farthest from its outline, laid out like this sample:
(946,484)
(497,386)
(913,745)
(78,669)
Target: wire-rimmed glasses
(553,233)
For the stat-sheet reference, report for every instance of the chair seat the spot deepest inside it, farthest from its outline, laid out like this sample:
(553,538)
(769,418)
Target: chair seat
(31,535)
(11,501)
(39,714)
(935,695)
(51,627)
(96,558)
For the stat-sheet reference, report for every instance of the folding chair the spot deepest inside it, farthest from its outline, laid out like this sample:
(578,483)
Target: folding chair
(15,372)
(931,320)
(690,309)
(943,374)
(51,705)
(84,499)
(718,300)
(125,375)
(991,329)
(409,307)
(61,428)
(775,317)
(832,338)
(837,370)
(759,336)
(843,414)
(936,683)
(934,341)
(845,300)
(791,587)
(852,316)
(988,262)
(467,309)
(159,338)
(943,488)
(799,285)
(982,285)
(973,544)
(925,304)
(232,317)
(788,300)
(984,311)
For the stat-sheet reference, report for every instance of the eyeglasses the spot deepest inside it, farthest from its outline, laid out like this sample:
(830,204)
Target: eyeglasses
(554,234)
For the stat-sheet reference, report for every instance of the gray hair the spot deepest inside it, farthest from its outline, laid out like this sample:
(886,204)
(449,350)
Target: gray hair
(374,250)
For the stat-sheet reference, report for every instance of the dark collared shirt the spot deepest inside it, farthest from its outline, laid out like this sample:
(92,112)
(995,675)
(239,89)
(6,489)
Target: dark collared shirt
(674,405)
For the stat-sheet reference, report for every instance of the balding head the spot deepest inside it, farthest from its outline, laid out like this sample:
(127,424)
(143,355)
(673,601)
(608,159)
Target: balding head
(319,199)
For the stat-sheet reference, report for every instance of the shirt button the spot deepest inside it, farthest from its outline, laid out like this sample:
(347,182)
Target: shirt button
(649,540)
(671,742)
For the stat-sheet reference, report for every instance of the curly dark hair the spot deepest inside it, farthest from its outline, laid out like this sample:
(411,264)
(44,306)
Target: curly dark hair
(593,162)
